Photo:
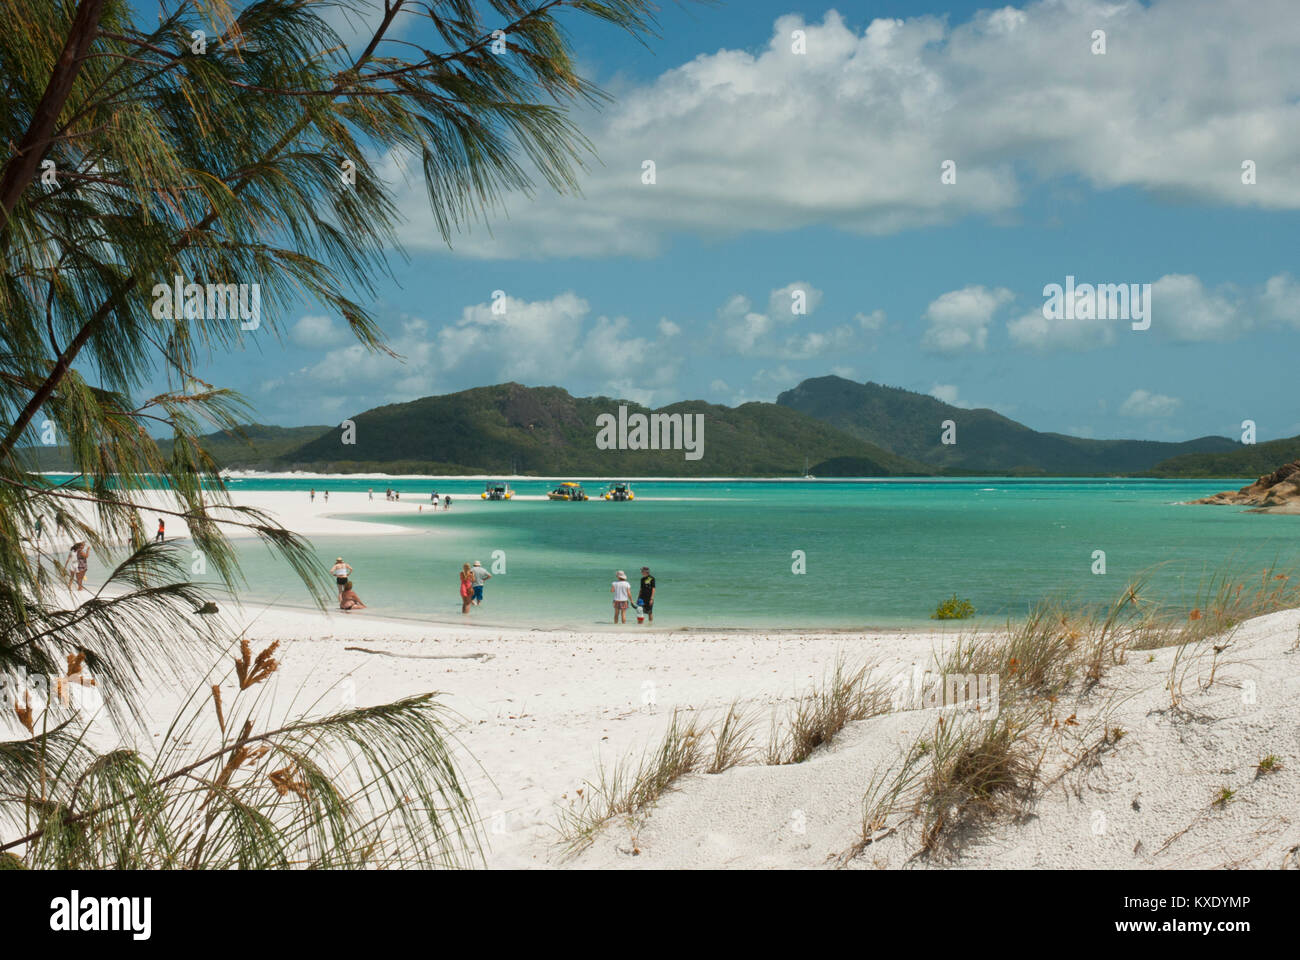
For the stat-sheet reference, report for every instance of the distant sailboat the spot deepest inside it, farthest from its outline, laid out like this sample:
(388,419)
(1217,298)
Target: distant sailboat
(806,474)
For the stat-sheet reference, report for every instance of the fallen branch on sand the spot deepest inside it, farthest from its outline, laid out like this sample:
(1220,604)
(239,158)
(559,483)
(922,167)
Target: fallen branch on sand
(426,656)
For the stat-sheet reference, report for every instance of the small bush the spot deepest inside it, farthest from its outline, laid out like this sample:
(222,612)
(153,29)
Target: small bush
(953,609)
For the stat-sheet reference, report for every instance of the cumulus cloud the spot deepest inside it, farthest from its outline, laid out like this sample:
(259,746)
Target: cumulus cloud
(1033,331)
(1281,299)
(1182,309)
(539,342)
(959,320)
(782,330)
(852,134)
(318,331)
(947,393)
(1143,403)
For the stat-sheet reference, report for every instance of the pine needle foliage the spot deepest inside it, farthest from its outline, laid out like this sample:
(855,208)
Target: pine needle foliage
(205,140)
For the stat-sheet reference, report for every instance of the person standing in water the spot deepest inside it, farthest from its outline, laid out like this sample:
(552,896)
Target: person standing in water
(481,576)
(466,588)
(341,572)
(446,502)
(622,591)
(646,597)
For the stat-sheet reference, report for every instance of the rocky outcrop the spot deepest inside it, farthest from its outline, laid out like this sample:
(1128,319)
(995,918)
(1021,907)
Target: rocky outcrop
(1276,492)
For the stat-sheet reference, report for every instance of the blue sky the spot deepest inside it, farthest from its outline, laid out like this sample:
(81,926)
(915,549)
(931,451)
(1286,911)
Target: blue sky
(820,172)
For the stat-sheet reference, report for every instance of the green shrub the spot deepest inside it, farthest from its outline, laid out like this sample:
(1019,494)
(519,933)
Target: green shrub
(953,609)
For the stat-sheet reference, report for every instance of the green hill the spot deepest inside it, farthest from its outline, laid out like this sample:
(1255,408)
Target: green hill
(510,428)
(1247,460)
(260,445)
(909,424)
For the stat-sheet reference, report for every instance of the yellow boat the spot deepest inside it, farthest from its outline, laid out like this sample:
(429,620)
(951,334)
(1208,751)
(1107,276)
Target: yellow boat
(618,491)
(496,491)
(568,491)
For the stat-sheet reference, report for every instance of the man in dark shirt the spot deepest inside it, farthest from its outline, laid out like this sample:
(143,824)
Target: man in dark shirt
(646,598)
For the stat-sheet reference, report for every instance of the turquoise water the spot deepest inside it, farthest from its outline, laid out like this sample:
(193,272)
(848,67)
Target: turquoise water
(879,553)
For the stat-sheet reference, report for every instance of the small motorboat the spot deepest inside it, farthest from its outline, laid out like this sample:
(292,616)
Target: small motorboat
(568,491)
(496,491)
(618,491)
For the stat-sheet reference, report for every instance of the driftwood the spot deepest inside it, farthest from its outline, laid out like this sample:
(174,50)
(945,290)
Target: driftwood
(426,656)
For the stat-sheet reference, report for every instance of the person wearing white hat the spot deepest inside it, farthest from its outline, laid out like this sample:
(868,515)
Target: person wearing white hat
(622,591)
(341,572)
(481,576)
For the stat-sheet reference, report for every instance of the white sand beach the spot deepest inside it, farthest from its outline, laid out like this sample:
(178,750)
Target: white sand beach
(540,712)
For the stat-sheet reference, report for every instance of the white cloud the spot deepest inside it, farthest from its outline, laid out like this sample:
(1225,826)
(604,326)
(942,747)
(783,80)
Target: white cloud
(743,330)
(537,342)
(947,393)
(318,331)
(852,134)
(959,319)
(1281,299)
(1182,309)
(871,322)
(668,329)
(1143,403)
(1036,332)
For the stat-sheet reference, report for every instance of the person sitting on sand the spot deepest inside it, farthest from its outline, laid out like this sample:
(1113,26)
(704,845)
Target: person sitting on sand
(340,571)
(622,591)
(466,588)
(348,599)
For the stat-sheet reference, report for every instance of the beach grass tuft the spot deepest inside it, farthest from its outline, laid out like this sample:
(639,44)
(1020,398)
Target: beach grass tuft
(846,696)
(629,789)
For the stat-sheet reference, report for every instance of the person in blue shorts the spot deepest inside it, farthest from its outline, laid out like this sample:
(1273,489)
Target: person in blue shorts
(481,576)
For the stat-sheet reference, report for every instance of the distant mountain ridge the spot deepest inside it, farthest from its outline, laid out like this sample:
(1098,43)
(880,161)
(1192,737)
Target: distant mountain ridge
(1247,460)
(909,424)
(835,426)
(511,428)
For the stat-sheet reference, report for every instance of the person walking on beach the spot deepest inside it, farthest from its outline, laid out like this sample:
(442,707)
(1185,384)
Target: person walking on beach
(313,494)
(646,597)
(78,561)
(341,572)
(372,493)
(39,529)
(481,576)
(622,591)
(466,588)
(446,502)
(70,566)
(348,599)
(327,496)
(161,535)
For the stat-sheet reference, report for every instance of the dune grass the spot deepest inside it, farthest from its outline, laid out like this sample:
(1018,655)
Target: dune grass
(846,696)
(630,787)
(969,771)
